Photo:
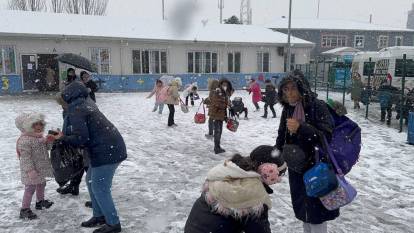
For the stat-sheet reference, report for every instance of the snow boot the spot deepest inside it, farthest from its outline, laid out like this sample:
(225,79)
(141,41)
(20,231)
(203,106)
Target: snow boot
(109,229)
(88,204)
(209,136)
(218,150)
(43,204)
(27,214)
(264,117)
(93,222)
(74,190)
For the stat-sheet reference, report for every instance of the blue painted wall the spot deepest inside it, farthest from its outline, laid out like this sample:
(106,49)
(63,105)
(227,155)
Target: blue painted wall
(130,83)
(10,84)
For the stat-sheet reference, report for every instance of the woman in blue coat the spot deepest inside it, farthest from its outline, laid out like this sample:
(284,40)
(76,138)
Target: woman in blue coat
(85,126)
(304,118)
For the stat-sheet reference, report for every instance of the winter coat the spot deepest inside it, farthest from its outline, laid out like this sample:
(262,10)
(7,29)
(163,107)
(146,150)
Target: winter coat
(32,150)
(85,126)
(93,88)
(270,94)
(233,200)
(256,92)
(160,96)
(317,121)
(189,90)
(212,85)
(173,97)
(387,95)
(356,90)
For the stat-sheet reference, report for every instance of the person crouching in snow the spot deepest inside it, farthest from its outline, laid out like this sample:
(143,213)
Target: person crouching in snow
(254,89)
(235,197)
(160,96)
(190,92)
(32,150)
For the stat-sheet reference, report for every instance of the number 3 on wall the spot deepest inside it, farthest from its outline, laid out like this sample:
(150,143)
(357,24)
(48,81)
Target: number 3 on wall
(5,83)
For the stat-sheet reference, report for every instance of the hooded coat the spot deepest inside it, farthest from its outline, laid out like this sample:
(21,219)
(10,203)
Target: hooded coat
(173,97)
(32,150)
(318,121)
(270,94)
(233,201)
(219,101)
(254,88)
(85,126)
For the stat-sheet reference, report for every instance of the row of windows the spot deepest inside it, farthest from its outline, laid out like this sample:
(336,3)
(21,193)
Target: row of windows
(152,61)
(156,61)
(333,41)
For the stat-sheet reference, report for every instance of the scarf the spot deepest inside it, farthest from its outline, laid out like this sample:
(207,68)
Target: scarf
(299,113)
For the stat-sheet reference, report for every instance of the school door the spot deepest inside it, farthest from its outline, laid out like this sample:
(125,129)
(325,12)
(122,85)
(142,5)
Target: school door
(29,67)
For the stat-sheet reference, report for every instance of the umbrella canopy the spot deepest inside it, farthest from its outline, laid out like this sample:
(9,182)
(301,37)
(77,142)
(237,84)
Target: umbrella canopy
(77,61)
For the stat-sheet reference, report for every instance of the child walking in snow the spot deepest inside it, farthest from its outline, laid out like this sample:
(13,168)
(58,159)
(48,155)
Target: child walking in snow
(32,150)
(190,92)
(160,96)
(254,89)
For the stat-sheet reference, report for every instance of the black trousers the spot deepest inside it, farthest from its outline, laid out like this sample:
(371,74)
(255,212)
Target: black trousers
(256,105)
(191,95)
(210,126)
(386,111)
(218,129)
(171,107)
(76,180)
(271,106)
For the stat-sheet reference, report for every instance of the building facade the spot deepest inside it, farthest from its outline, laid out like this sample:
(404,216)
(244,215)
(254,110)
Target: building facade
(330,34)
(132,62)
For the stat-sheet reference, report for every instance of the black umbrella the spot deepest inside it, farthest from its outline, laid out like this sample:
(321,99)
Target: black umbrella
(77,61)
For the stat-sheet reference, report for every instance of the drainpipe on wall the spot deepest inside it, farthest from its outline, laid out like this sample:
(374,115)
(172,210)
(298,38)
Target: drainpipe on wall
(120,57)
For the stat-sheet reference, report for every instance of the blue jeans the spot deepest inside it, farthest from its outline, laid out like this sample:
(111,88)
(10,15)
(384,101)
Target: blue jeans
(159,106)
(99,183)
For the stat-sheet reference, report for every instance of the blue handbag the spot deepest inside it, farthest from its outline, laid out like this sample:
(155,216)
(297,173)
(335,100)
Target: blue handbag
(320,179)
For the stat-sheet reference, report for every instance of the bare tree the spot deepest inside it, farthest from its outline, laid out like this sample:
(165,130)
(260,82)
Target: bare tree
(27,5)
(57,6)
(86,7)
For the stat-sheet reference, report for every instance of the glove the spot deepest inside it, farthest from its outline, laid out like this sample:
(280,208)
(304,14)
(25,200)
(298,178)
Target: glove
(33,174)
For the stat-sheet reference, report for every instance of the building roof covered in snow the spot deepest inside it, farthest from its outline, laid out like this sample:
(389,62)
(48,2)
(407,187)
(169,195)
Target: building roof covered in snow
(332,24)
(45,25)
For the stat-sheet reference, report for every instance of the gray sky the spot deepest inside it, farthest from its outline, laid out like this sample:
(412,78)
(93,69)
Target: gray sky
(385,12)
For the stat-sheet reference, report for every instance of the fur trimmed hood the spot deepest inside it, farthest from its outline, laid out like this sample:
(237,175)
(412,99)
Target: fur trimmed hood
(25,121)
(232,191)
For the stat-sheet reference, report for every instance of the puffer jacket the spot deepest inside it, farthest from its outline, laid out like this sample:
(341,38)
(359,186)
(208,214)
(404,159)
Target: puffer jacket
(173,97)
(86,126)
(32,150)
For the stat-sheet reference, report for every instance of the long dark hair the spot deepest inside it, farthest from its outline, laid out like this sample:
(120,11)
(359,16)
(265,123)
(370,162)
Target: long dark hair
(244,163)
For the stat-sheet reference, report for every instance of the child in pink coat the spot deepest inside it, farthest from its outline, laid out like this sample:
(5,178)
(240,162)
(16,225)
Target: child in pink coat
(32,150)
(254,89)
(160,96)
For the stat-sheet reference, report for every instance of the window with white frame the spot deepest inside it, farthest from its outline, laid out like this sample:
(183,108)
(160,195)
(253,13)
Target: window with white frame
(7,60)
(398,41)
(101,57)
(382,42)
(234,62)
(202,62)
(263,62)
(359,41)
(333,41)
(149,62)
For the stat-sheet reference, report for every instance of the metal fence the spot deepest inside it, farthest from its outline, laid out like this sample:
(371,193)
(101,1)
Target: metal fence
(321,75)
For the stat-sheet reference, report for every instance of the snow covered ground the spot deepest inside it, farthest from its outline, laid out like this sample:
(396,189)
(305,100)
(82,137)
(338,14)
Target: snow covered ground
(155,188)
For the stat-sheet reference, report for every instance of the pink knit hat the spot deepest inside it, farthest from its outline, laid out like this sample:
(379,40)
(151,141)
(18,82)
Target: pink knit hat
(269,173)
